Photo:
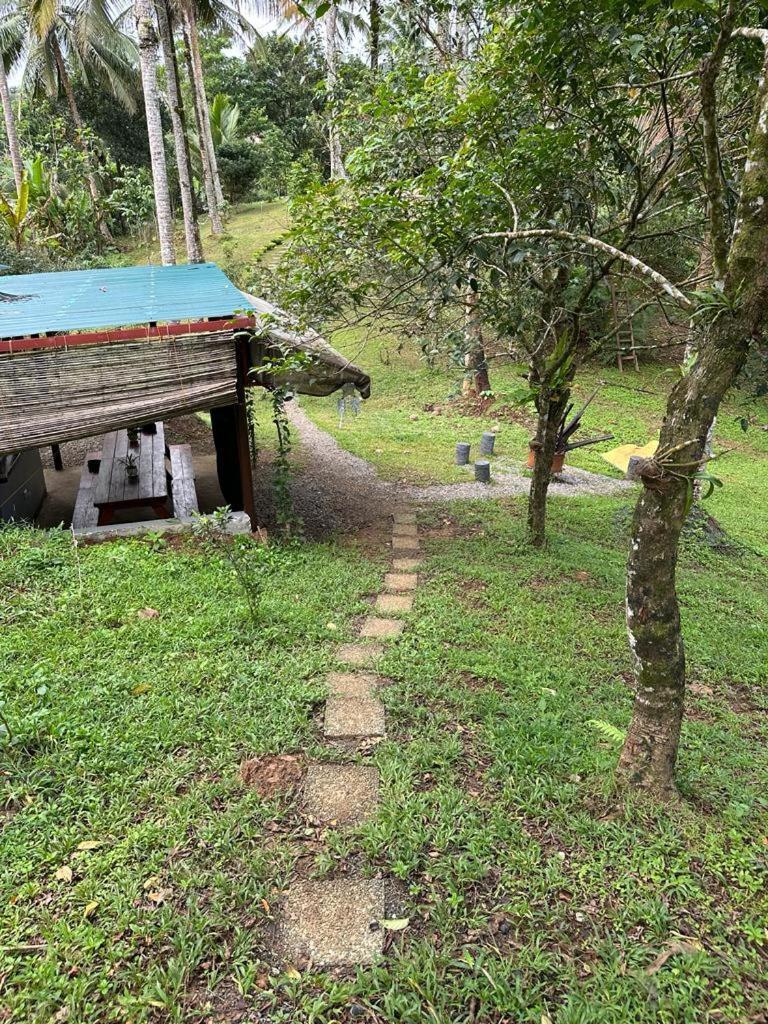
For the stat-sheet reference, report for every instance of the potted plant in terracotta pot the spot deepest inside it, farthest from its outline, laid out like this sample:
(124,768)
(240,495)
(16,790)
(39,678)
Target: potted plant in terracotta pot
(565,431)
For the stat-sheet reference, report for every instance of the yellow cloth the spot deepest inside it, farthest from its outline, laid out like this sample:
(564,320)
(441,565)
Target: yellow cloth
(619,457)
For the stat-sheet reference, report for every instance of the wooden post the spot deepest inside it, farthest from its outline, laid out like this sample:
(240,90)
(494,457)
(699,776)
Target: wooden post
(243,355)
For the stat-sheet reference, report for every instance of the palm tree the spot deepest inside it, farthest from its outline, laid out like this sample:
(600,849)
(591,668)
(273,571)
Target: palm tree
(180,134)
(11,33)
(148,60)
(80,34)
(211,179)
(331,40)
(330,23)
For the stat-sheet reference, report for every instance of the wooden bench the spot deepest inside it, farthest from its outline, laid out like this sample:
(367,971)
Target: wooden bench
(86,514)
(183,490)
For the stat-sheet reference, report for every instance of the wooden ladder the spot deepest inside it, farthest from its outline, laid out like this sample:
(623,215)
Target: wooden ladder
(624,330)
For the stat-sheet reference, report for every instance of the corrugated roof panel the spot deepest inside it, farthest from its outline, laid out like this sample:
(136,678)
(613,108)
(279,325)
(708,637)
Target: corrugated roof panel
(83,300)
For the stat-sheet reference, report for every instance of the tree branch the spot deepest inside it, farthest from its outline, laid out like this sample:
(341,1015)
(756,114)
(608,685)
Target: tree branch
(596,243)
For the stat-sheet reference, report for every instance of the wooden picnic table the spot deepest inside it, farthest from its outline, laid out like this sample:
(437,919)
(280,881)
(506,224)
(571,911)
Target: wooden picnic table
(114,490)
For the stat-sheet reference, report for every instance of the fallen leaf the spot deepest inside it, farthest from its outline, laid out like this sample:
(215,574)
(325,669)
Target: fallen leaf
(89,844)
(395,924)
(148,613)
(672,949)
(151,882)
(64,873)
(90,908)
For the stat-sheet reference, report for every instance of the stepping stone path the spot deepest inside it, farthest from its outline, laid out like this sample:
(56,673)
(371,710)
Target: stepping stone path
(334,923)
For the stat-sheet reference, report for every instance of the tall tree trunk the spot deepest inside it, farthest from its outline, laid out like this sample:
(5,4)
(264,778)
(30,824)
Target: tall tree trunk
(550,409)
(148,59)
(653,618)
(210,192)
(180,140)
(331,39)
(374,34)
(197,84)
(74,112)
(14,150)
(476,379)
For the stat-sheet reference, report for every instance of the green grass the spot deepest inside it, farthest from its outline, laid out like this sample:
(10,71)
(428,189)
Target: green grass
(249,229)
(533,896)
(129,733)
(405,441)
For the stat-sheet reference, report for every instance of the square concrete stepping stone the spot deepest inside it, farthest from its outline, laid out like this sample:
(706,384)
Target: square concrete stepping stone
(351,684)
(404,518)
(403,544)
(405,531)
(395,581)
(381,629)
(353,717)
(330,922)
(406,564)
(394,604)
(361,655)
(344,793)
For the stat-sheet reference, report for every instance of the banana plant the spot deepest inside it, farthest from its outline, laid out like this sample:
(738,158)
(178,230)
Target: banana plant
(16,214)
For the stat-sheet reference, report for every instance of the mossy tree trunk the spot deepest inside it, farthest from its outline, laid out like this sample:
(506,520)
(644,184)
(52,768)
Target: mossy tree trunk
(550,407)
(476,379)
(653,618)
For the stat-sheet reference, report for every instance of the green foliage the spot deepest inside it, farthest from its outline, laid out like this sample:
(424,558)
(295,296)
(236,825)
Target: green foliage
(281,369)
(239,165)
(274,85)
(15,213)
(251,564)
(131,202)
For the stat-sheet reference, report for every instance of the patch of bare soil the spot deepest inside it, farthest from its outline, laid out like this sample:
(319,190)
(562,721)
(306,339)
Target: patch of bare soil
(225,1005)
(370,540)
(472,593)
(272,774)
(193,431)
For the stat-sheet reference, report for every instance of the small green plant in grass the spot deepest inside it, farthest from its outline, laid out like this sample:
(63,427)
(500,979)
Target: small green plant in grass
(281,372)
(251,562)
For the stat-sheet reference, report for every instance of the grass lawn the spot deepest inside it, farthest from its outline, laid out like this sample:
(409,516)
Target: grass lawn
(129,733)
(398,433)
(532,896)
(249,229)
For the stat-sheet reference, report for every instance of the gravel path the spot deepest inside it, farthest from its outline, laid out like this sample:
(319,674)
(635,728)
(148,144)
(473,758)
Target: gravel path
(335,490)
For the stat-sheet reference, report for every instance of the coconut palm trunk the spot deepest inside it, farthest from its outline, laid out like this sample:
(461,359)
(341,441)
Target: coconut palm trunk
(331,39)
(14,149)
(74,113)
(180,140)
(374,34)
(202,112)
(148,59)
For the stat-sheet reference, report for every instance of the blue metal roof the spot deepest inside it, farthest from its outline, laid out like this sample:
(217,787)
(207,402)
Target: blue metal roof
(82,300)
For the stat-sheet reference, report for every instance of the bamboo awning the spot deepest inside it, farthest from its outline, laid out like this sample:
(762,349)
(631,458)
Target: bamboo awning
(83,352)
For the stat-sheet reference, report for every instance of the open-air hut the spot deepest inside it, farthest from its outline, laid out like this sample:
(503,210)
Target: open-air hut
(91,351)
